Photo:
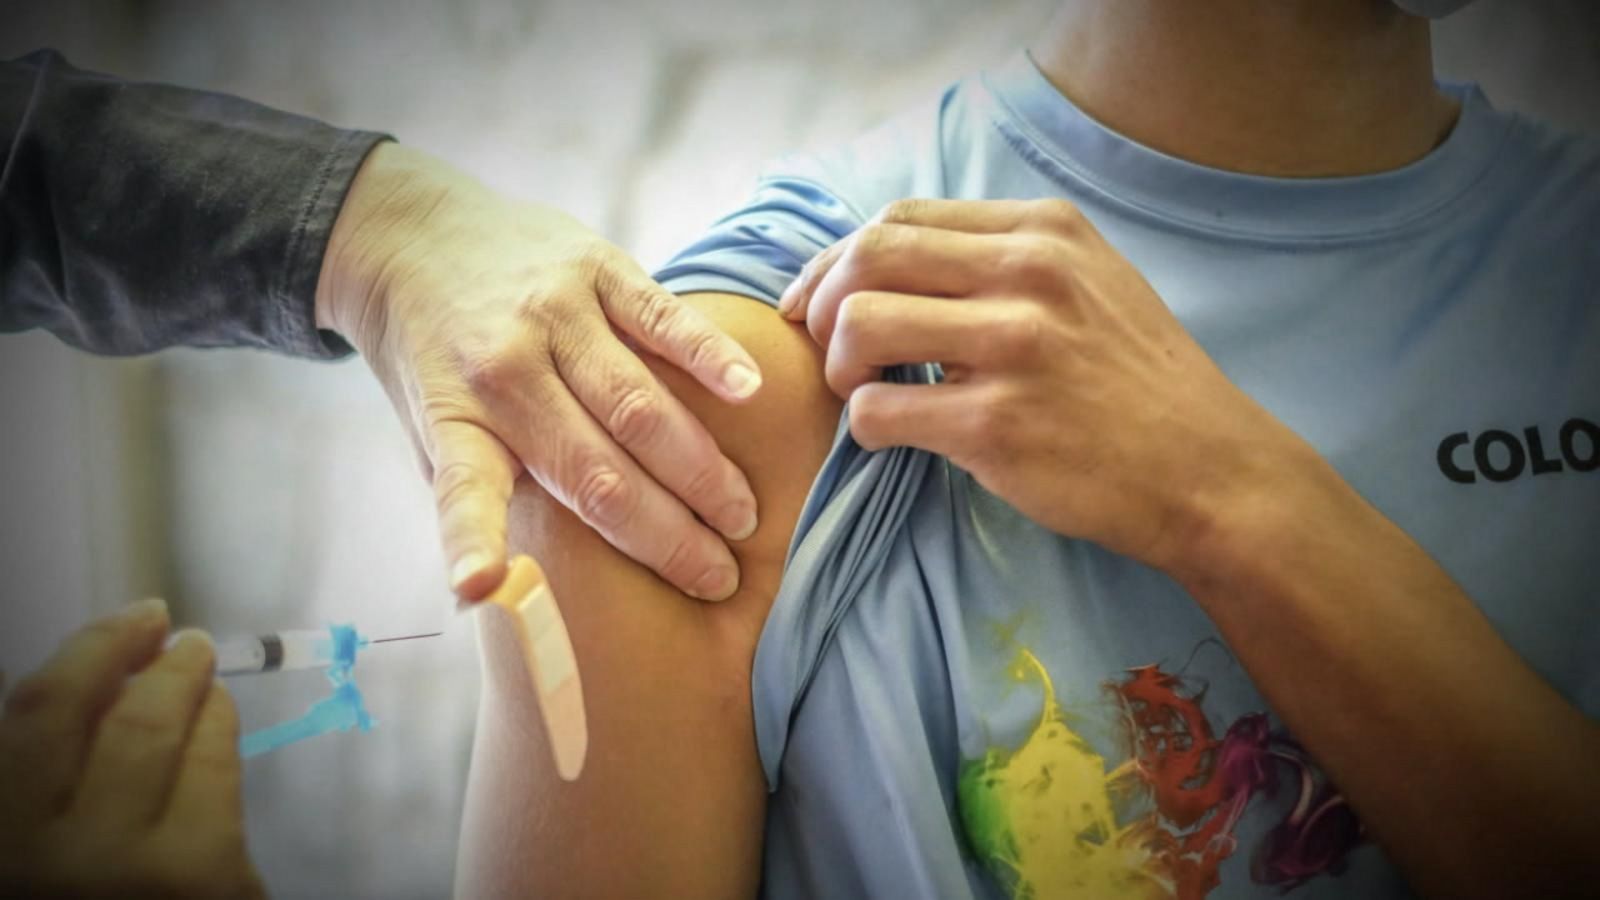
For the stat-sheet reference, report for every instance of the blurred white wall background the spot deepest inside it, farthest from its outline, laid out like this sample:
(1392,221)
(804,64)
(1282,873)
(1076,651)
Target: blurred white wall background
(259,492)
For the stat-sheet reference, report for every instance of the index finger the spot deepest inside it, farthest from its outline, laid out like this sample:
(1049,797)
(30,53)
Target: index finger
(907,259)
(970,216)
(677,332)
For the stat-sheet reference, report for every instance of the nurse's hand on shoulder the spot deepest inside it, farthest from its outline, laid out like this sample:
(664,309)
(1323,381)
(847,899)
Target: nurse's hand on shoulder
(503,333)
(119,770)
(1070,390)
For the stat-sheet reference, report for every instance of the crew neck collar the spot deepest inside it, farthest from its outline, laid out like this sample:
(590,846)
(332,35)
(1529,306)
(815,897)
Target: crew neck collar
(1247,206)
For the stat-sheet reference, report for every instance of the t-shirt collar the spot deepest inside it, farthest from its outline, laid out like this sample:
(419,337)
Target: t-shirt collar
(1065,138)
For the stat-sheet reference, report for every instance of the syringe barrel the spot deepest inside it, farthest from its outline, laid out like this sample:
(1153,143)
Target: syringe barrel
(280,651)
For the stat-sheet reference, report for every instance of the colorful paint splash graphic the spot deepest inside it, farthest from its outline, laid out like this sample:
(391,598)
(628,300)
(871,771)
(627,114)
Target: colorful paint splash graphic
(1049,819)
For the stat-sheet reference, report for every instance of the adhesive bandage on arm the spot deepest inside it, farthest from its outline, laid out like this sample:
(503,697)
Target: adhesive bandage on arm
(529,608)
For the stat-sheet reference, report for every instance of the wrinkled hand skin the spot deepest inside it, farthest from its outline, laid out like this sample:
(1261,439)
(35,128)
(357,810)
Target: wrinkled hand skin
(120,771)
(1071,390)
(504,334)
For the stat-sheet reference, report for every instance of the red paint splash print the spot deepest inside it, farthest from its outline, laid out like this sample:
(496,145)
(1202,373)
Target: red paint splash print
(1201,786)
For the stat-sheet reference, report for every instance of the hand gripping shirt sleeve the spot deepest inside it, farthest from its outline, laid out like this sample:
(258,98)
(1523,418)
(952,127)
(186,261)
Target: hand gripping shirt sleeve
(139,216)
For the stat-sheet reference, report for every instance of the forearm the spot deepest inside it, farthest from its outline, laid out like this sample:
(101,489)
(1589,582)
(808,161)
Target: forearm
(139,216)
(1469,768)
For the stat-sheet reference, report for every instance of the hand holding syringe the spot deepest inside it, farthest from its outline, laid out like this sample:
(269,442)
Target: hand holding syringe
(140,738)
(161,773)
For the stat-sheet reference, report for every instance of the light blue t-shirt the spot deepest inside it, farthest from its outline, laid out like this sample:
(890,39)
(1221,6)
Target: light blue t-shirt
(951,701)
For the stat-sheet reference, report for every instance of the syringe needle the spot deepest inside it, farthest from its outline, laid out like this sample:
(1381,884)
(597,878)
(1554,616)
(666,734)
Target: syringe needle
(407,637)
(286,651)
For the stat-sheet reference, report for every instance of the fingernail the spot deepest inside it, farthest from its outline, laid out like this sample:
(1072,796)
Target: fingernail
(189,636)
(716,584)
(789,298)
(149,607)
(741,380)
(744,516)
(466,567)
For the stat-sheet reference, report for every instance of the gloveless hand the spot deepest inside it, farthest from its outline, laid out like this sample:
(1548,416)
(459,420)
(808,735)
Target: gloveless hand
(1070,389)
(120,770)
(493,326)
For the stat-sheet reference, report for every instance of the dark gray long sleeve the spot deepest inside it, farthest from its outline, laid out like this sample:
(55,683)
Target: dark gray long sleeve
(140,216)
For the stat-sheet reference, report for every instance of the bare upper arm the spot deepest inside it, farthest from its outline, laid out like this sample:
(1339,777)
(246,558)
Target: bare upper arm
(671,799)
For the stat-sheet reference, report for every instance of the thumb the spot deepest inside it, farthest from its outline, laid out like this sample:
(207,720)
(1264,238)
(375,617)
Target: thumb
(472,477)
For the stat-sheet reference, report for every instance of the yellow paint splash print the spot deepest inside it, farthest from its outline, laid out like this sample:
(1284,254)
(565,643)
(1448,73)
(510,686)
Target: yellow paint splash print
(1042,816)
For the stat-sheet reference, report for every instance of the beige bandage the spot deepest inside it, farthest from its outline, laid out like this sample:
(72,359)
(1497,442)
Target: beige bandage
(530,608)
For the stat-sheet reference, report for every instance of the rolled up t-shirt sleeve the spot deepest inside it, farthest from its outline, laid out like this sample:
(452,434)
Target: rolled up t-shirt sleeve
(140,216)
(761,247)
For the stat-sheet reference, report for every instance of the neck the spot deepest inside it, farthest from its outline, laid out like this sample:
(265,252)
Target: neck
(1292,88)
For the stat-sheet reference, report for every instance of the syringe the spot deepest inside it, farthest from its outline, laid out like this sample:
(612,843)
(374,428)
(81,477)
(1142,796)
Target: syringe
(286,651)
